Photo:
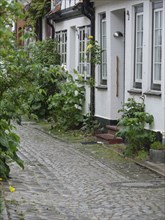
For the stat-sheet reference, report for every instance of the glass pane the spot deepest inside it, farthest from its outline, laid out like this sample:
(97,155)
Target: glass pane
(158,37)
(104,73)
(139,22)
(139,39)
(158,54)
(104,43)
(139,71)
(103,27)
(161,19)
(157,19)
(139,55)
(157,72)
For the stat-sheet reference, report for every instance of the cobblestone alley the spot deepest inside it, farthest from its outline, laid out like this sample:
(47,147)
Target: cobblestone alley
(60,182)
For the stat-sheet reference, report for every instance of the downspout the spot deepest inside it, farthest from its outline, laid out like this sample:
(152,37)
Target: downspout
(52,27)
(89,12)
(39,28)
(163,133)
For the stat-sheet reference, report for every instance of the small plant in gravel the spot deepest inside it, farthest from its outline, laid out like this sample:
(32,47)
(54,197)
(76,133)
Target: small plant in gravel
(132,127)
(157,146)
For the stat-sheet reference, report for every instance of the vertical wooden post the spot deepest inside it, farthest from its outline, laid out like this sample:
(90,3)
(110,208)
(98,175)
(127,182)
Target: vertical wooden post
(117,76)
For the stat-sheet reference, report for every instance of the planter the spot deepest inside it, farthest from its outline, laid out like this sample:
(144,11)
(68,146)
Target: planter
(157,156)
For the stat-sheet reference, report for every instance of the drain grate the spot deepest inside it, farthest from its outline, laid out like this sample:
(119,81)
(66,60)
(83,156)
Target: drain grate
(89,142)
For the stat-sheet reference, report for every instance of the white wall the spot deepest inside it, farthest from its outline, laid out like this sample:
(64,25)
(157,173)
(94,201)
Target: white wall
(72,47)
(106,102)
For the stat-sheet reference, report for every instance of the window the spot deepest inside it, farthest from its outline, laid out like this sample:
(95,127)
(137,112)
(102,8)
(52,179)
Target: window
(157,30)
(61,37)
(84,66)
(103,38)
(138,59)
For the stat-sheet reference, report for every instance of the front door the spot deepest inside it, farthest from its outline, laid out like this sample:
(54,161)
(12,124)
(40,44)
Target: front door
(117,29)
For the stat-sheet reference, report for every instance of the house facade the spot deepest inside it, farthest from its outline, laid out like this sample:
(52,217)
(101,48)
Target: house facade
(132,36)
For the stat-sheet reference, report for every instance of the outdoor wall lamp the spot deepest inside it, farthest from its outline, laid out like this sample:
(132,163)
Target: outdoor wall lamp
(118,34)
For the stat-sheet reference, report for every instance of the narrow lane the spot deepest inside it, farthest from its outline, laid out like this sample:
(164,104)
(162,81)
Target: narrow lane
(60,182)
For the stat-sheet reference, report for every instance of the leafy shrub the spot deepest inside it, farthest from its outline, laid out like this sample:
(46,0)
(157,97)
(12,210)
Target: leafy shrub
(132,124)
(44,53)
(9,143)
(157,146)
(47,74)
(46,83)
(67,104)
(89,124)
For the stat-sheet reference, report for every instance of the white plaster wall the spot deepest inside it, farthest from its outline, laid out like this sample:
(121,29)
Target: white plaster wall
(105,99)
(72,48)
(107,104)
(72,39)
(154,104)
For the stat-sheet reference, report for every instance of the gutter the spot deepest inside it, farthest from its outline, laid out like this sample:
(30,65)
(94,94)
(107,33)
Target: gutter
(88,10)
(52,27)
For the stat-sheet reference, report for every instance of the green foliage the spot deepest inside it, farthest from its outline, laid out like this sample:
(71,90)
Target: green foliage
(46,83)
(67,104)
(56,96)
(38,8)
(142,155)
(47,75)
(9,12)
(132,124)
(94,51)
(12,78)
(45,53)
(157,146)
(9,143)
(89,124)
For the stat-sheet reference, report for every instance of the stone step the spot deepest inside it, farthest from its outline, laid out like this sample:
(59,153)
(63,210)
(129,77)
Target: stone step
(112,129)
(110,138)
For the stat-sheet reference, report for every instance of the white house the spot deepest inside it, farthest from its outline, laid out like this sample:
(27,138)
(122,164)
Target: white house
(132,35)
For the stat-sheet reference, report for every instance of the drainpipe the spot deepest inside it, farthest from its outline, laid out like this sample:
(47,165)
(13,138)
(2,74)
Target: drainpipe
(163,133)
(39,28)
(52,27)
(89,12)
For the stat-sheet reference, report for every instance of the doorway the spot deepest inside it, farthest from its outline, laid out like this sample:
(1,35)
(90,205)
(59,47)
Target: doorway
(117,45)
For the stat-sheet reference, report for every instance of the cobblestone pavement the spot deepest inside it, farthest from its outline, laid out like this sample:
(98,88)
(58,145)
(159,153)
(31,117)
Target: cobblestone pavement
(61,183)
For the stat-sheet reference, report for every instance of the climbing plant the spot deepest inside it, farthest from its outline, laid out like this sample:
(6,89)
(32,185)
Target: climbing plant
(37,9)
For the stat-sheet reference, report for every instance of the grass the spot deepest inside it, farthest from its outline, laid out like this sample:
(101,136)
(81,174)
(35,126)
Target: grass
(86,143)
(71,136)
(96,149)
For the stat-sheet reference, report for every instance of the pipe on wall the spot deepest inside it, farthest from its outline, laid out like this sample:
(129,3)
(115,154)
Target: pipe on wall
(88,10)
(52,27)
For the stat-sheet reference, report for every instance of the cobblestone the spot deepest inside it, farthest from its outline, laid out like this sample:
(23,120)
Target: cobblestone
(61,183)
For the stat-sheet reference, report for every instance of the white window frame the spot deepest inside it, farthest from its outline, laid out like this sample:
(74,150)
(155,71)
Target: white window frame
(84,67)
(157,8)
(155,81)
(61,38)
(138,49)
(103,45)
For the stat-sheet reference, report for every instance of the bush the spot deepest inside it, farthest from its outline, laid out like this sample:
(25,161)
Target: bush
(66,106)
(44,53)
(9,143)
(157,146)
(132,124)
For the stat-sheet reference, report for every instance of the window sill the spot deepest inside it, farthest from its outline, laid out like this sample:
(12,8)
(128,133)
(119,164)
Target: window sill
(152,93)
(135,91)
(102,87)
